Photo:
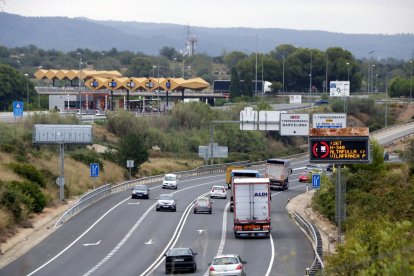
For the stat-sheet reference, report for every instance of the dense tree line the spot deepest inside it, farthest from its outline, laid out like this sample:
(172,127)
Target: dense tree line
(288,68)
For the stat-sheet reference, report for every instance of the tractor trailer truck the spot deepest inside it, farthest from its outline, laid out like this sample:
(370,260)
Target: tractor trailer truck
(251,207)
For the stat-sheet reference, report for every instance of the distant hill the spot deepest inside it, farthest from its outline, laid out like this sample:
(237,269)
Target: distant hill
(66,34)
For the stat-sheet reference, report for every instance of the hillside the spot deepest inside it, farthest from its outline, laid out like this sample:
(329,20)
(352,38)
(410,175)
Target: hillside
(66,34)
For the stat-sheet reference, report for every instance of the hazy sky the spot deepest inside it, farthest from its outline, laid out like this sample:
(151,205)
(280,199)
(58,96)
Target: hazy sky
(343,16)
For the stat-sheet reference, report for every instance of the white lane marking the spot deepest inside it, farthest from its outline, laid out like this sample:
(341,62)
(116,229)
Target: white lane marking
(200,231)
(149,242)
(76,240)
(128,235)
(223,234)
(96,222)
(133,203)
(172,242)
(272,258)
(89,244)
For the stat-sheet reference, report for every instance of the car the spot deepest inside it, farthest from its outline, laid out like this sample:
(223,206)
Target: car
(166,202)
(304,176)
(218,191)
(170,181)
(140,191)
(180,259)
(228,264)
(386,156)
(203,205)
(321,101)
(330,168)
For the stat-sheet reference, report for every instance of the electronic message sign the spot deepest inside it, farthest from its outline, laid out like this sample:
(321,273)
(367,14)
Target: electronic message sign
(352,147)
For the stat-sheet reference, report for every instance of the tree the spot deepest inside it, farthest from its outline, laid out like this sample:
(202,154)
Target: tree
(140,66)
(169,52)
(12,86)
(131,147)
(234,84)
(233,58)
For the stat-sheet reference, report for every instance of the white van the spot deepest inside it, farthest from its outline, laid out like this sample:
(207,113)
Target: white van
(170,181)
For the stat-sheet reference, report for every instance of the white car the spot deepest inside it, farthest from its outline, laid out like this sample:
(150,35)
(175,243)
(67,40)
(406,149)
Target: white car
(218,191)
(170,181)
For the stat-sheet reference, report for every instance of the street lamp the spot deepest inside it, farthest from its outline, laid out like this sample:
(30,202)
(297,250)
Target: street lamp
(183,68)
(79,86)
(27,90)
(175,59)
(376,80)
(283,68)
(153,70)
(411,78)
(347,67)
(102,61)
(372,76)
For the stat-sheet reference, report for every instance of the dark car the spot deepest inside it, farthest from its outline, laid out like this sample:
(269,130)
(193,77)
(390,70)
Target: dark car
(140,191)
(321,101)
(330,168)
(180,259)
(203,204)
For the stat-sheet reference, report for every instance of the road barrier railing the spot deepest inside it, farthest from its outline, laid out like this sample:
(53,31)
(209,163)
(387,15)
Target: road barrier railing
(316,241)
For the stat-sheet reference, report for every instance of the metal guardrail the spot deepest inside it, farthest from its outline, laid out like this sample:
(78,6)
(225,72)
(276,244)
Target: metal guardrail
(316,240)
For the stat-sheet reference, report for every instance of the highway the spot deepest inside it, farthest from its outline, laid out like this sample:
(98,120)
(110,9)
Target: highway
(124,236)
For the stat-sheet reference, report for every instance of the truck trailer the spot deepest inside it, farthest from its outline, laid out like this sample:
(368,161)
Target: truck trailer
(278,171)
(252,217)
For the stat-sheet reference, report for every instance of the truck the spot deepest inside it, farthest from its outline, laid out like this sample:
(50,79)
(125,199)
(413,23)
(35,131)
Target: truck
(229,169)
(278,171)
(252,216)
(239,174)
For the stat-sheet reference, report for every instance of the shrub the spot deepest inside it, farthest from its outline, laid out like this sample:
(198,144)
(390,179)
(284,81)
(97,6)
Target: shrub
(87,157)
(29,172)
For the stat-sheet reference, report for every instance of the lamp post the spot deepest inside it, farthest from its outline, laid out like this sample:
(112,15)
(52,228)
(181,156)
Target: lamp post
(183,68)
(175,59)
(102,61)
(386,98)
(283,69)
(153,70)
(27,90)
(411,79)
(376,81)
(326,73)
(372,76)
(347,67)
(79,86)
(310,78)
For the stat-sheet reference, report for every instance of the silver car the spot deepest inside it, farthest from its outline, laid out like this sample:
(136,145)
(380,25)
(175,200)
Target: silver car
(166,202)
(203,204)
(229,264)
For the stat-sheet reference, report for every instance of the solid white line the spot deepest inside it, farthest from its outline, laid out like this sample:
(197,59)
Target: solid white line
(272,258)
(223,234)
(83,234)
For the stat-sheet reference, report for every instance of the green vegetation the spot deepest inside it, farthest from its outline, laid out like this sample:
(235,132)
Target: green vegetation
(380,213)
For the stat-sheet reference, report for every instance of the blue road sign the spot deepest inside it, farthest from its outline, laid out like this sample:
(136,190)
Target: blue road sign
(316,181)
(94,169)
(18,109)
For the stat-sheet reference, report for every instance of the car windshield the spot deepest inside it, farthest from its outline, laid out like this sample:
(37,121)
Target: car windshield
(202,200)
(179,251)
(169,178)
(220,189)
(166,197)
(140,188)
(225,261)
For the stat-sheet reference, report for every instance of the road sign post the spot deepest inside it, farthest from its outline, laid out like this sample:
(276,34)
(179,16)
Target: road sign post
(316,181)
(94,172)
(130,165)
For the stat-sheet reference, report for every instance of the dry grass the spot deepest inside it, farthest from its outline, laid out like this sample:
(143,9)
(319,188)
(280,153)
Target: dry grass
(157,166)
(102,134)
(6,173)
(5,221)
